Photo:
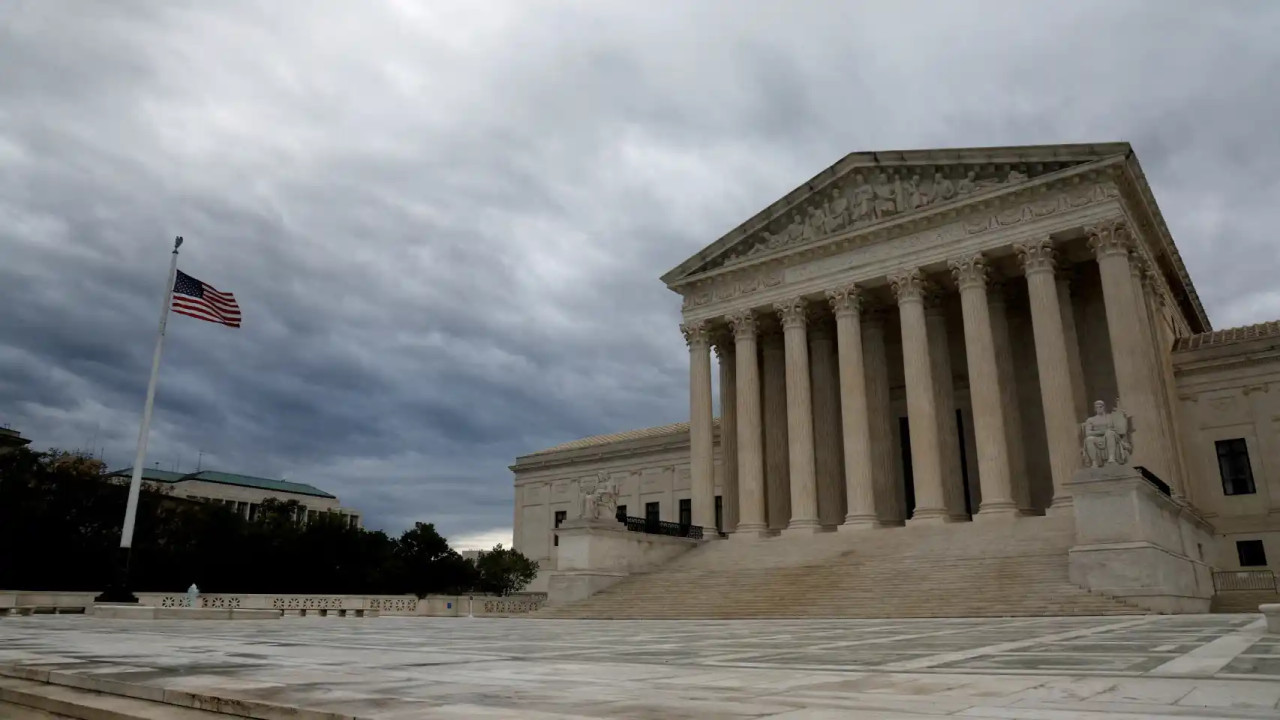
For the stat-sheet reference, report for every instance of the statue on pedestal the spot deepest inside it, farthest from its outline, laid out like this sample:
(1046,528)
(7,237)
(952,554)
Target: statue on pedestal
(1106,437)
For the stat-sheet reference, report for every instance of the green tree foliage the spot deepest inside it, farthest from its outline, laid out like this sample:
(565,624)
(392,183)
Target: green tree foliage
(504,571)
(64,516)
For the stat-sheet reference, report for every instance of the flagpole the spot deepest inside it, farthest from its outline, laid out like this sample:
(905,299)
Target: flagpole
(120,592)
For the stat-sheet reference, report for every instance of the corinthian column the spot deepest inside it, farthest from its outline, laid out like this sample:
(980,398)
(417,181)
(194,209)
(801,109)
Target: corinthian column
(1038,262)
(997,304)
(989,430)
(804,488)
(890,496)
(1162,455)
(922,410)
(727,360)
(702,461)
(859,475)
(1112,244)
(750,431)
(944,399)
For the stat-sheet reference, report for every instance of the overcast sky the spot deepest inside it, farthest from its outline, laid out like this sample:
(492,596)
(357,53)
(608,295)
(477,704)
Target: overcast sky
(445,221)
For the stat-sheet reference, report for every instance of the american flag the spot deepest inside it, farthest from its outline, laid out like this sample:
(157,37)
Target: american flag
(202,301)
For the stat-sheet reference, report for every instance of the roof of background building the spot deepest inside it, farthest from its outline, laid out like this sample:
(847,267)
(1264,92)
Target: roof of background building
(214,476)
(1229,335)
(637,434)
(13,437)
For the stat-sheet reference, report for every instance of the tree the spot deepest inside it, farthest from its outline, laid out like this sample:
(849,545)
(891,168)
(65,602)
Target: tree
(426,563)
(504,571)
(65,515)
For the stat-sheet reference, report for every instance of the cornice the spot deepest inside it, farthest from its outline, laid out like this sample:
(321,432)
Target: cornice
(1150,226)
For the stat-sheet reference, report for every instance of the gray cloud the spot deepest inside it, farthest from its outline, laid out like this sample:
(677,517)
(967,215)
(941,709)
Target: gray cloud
(445,225)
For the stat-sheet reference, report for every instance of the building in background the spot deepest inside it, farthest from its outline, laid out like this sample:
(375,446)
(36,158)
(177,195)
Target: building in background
(11,439)
(243,493)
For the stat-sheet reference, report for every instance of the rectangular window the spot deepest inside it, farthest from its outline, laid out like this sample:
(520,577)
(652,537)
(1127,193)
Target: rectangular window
(1233,466)
(1252,553)
(719,514)
(622,511)
(686,512)
(560,516)
(651,512)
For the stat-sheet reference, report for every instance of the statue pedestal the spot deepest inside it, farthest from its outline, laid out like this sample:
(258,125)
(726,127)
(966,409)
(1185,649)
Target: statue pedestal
(1137,544)
(595,553)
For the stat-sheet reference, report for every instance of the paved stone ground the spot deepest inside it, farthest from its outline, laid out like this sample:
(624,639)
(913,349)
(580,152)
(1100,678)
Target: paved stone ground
(1203,666)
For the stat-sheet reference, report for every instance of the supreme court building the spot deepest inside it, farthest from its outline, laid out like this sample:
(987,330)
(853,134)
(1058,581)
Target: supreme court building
(916,337)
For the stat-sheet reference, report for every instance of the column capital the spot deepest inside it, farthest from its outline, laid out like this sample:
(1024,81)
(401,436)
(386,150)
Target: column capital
(845,300)
(697,334)
(792,312)
(909,285)
(1110,237)
(1036,255)
(722,342)
(743,323)
(970,271)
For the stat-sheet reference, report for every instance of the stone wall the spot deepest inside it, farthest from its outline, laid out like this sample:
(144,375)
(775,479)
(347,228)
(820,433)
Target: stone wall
(393,605)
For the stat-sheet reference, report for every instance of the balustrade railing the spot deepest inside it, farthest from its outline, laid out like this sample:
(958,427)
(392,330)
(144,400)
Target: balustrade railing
(659,527)
(1228,580)
(1155,480)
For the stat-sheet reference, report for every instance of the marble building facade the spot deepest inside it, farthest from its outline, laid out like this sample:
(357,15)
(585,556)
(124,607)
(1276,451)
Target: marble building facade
(915,337)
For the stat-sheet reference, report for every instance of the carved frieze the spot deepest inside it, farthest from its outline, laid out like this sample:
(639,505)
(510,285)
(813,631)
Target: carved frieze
(1018,210)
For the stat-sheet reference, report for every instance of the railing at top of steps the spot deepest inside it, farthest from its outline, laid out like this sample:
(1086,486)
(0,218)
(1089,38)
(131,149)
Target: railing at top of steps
(658,527)
(1228,580)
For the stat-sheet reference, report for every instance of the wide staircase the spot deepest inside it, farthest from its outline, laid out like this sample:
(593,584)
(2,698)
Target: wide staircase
(974,569)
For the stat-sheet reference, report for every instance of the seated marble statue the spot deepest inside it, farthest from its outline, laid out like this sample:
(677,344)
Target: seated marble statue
(602,502)
(1106,437)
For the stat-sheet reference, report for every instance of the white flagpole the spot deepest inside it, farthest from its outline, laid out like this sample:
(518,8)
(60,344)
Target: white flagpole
(135,482)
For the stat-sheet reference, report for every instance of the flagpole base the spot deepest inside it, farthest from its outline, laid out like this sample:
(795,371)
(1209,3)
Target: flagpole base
(118,591)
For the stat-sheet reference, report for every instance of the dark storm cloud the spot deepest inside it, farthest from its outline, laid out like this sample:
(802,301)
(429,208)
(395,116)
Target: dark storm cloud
(445,226)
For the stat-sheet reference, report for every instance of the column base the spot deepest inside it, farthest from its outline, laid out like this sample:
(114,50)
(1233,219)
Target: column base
(750,532)
(996,511)
(930,517)
(1061,504)
(804,527)
(860,522)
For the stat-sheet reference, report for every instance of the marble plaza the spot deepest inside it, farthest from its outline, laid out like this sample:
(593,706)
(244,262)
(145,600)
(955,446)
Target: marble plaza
(1188,666)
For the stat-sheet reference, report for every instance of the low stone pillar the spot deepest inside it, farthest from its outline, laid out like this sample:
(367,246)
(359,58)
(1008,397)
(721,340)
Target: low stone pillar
(595,553)
(1272,613)
(1135,543)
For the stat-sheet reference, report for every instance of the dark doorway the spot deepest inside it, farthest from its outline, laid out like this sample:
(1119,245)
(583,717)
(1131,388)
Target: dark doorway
(964,462)
(908,481)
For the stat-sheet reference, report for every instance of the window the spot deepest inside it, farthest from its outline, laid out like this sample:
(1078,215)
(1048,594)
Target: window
(560,516)
(1233,466)
(719,514)
(1251,552)
(651,512)
(686,512)
(622,512)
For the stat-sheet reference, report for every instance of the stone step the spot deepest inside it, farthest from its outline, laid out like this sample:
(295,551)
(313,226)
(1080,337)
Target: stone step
(1011,568)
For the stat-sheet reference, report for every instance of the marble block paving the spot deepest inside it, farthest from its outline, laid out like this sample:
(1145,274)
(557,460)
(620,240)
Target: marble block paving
(1203,666)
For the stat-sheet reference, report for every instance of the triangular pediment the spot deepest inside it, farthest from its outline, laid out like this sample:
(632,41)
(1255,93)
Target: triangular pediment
(866,189)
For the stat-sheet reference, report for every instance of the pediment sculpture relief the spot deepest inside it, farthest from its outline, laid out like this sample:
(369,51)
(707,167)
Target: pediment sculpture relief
(1107,438)
(867,197)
